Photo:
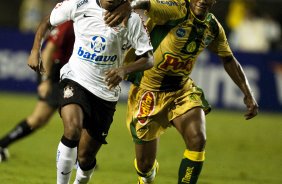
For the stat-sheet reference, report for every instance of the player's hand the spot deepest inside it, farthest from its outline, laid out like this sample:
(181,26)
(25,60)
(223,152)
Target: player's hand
(114,77)
(35,63)
(252,107)
(119,15)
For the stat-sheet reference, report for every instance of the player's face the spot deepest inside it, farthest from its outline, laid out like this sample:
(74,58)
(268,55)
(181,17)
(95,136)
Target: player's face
(201,8)
(110,4)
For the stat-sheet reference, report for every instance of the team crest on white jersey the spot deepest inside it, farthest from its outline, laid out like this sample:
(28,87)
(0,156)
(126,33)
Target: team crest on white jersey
(68,92)
(98,44)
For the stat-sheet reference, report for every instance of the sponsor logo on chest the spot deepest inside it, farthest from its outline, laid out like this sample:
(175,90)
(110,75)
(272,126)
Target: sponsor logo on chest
(98,46)
(176,64)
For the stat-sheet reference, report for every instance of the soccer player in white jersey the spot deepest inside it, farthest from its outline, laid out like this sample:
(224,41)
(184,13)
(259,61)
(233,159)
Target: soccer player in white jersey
(89,87)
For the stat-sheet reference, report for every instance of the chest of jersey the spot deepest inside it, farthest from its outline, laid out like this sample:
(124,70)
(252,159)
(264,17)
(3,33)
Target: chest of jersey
(178,50)
(96,42)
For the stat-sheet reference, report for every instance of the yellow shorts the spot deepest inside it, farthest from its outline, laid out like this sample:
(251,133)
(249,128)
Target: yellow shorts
(149,112)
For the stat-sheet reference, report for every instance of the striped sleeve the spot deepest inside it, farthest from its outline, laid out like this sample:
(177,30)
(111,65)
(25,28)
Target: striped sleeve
(220,45)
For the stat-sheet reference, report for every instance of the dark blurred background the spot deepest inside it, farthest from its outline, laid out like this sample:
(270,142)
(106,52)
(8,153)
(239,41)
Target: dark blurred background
(13,12)
(26,14)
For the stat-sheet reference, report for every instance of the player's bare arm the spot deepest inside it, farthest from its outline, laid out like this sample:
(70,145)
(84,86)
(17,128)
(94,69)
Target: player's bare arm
(115,76)
(235,71)
(122,12)
(34,60)
(47,60)
(118,15)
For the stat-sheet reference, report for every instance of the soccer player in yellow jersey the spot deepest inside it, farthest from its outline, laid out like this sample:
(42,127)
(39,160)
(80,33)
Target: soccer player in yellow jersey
(165,95)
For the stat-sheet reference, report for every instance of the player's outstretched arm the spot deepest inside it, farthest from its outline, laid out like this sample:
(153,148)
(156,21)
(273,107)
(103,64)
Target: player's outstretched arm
(34,60)
(235,71)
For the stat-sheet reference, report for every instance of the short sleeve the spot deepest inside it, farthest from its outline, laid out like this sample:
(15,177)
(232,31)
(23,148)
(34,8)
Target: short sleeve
(62,12)
(138,35)
(220,44)
(166,10)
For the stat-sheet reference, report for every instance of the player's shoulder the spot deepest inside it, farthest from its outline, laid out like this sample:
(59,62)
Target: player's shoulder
(76,3)
(213,23)
(211,17)
(169,2)
(81,3)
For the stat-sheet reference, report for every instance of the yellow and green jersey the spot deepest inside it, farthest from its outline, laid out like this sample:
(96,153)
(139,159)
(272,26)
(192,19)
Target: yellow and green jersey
(178,38)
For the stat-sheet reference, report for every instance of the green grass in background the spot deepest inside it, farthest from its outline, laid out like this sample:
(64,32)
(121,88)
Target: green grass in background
(237,152)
